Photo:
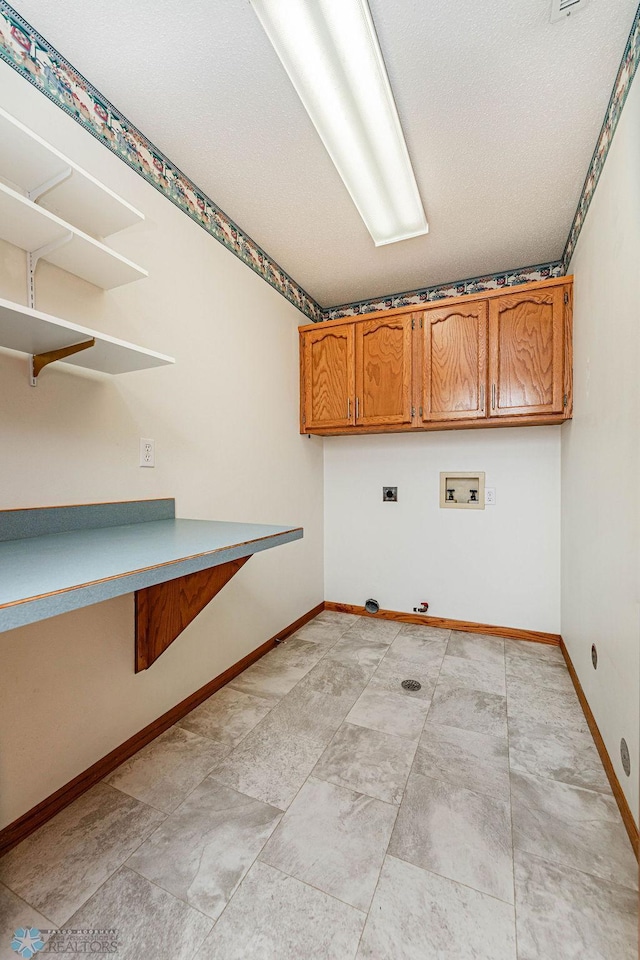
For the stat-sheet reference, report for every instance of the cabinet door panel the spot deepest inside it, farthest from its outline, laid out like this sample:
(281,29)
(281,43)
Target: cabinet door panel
(455,362)
(526,353)
(383,371)
(329,375)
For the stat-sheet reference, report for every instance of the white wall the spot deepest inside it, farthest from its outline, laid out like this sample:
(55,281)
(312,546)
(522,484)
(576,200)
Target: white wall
(601,452)
(498,566)
(225,422)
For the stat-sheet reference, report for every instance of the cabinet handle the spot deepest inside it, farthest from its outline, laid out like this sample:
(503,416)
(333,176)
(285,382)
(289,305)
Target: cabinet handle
(493,396)
(348,408)
(482,397)
(357,407)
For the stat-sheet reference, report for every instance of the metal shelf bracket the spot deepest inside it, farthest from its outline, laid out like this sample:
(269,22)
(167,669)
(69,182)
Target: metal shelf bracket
(32,262)
(54,181)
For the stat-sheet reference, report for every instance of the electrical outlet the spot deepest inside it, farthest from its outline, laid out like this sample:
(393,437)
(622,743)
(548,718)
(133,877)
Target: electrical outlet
(147,452)
(490,495)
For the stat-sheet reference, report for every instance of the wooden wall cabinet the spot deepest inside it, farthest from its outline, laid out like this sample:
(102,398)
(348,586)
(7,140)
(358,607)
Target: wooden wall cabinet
(526,353)
(328,380)
(455,362)
(384,376)
(502,358)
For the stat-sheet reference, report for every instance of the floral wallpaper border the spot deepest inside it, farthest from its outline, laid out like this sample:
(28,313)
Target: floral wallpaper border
(621,87)
(34,58)
(26,51)
(491,281)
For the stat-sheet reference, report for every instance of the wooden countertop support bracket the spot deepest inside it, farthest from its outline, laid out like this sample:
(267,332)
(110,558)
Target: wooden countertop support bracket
(164,610)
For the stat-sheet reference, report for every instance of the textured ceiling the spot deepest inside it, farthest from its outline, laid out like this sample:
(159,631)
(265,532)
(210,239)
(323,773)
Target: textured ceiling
(501,110)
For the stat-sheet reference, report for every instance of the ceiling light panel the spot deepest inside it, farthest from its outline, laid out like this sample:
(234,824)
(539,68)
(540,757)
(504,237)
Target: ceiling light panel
(331,53)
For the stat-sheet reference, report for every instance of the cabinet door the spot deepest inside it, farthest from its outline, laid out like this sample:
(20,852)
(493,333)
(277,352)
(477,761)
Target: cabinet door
(328,376)
(455,362)
(383,371)
(526,353)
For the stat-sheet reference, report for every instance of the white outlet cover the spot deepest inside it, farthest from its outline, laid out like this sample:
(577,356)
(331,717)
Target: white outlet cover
(147,452)
(490,495)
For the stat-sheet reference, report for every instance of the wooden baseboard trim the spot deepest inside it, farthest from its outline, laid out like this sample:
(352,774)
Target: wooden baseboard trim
(465,626)
(621,800)
(21,828)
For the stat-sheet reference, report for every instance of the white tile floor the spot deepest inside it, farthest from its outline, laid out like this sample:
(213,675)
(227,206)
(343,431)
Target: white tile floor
(314,809)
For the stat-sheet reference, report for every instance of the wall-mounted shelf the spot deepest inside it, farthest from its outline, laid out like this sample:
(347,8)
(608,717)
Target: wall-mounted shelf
(57,559)
(30,331)
(55,214)
(26,225)
(59,184)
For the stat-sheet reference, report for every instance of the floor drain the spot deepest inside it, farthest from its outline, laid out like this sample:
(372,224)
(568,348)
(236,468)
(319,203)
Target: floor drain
(411,685)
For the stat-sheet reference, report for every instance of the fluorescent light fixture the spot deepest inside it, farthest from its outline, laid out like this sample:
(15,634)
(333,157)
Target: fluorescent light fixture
(331,52)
